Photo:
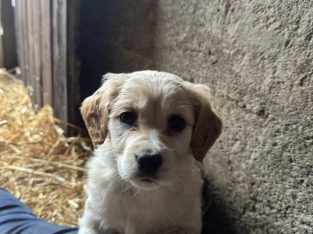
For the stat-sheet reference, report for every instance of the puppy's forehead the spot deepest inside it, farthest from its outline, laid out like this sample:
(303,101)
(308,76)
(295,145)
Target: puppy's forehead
(143,89)
(155,97)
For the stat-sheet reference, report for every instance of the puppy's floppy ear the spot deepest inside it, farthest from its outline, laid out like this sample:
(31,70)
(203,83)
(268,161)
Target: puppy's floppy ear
(208,125)
(94,109)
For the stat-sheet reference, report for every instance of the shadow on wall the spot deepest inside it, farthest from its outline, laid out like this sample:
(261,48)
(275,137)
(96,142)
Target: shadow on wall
(215,220)
(116,36)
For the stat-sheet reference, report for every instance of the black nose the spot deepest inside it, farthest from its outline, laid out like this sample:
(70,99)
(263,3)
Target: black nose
(148,163)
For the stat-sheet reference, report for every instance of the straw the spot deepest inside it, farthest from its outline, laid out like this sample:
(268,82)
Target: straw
(37,163)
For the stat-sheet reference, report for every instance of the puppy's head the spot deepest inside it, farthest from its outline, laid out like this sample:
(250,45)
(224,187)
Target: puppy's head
(156,124)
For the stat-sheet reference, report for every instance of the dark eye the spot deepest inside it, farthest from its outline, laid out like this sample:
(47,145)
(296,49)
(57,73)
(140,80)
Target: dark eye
(176,123)
(128,118)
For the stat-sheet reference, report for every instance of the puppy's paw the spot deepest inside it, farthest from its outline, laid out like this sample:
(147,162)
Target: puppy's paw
(86,230)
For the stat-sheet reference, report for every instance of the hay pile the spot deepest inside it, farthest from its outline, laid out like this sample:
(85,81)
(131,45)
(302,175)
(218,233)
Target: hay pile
(37,163)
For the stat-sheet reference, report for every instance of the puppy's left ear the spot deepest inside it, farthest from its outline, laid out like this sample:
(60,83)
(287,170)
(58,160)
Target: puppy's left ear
(208,125)
(94,109)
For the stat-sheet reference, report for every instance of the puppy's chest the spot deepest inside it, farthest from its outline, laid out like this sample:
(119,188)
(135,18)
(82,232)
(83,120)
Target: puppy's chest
(132,211)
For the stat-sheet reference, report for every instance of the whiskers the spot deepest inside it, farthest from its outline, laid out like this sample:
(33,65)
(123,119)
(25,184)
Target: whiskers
(135,193)
(123,184)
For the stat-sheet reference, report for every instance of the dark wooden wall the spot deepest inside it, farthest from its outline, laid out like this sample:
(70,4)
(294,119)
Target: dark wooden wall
(9,55)
(115,36)
(47,51)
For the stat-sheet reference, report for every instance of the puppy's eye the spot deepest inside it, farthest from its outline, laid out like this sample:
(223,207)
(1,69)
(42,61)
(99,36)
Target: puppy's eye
(176,123)
(128,118)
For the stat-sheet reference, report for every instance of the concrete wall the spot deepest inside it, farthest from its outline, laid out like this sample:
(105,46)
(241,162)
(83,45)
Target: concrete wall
(257,58)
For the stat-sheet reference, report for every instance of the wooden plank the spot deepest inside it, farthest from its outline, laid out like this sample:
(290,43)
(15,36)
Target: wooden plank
(35,48)
(32,32)
(25,32)
(29,45)
(1,48)
(59,48)
(8,39)
(18,31)
(18,16)
(46,55)
(73,63)
(1,34)
(29,54)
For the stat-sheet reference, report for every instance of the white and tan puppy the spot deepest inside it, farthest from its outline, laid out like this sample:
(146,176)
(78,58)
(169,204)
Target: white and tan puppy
(151,129)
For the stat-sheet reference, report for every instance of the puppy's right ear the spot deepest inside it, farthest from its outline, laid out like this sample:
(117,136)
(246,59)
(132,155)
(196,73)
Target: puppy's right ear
(94,109)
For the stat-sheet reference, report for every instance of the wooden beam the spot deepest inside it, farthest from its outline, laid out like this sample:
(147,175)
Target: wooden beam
(33,54)
(59,48)
(46,51)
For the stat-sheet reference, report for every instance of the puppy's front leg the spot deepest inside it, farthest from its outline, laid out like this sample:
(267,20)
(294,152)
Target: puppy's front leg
(90,226)
(180,231)
(91,230)
(87,230)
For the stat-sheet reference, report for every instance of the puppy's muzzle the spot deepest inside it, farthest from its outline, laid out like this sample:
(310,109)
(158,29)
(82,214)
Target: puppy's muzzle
(148,163)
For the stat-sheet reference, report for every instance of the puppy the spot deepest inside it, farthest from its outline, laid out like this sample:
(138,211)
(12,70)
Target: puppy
(151,129)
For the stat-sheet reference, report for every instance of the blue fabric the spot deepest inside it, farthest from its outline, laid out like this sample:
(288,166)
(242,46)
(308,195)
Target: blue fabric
(17,218)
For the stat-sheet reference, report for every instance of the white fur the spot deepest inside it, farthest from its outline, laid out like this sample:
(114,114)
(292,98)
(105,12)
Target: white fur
(126,209)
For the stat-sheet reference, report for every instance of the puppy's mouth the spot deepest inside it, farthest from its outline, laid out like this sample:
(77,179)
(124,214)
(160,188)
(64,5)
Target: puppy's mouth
(146,180)
(146,183)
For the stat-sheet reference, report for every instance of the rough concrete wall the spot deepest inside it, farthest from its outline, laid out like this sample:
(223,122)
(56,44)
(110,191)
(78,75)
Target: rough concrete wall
(257,58)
